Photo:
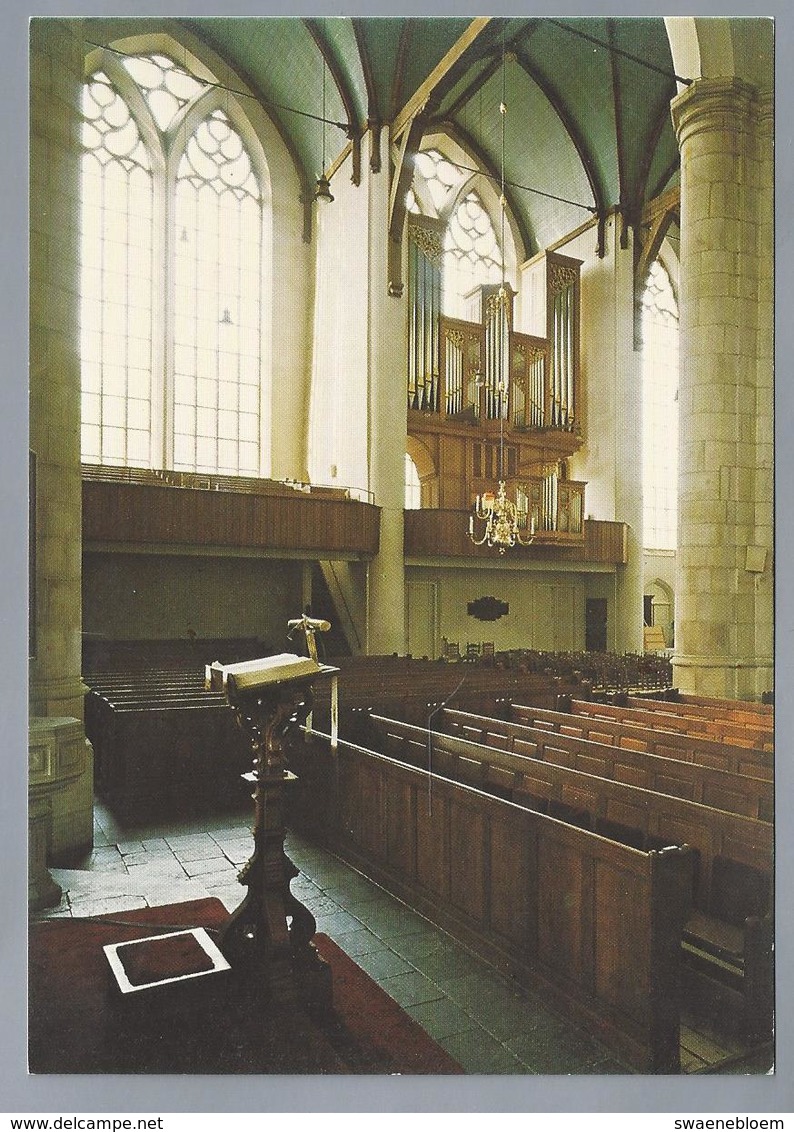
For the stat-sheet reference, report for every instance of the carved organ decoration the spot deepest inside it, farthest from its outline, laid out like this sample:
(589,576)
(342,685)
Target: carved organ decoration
(424,282)
(494,396)
(553,505)
(551,285)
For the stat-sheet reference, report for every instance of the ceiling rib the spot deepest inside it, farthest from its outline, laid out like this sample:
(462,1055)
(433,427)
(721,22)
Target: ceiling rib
(626,204)
(555,101)
(435,80)
(353,132)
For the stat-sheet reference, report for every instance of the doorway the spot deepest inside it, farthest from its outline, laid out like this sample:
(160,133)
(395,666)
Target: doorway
(595,630)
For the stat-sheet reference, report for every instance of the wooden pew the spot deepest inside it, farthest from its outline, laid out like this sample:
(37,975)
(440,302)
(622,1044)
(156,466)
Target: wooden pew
(175,754)
(720,730)
(409,688)
(748,711)
(760,729)
(595,924)
(732,932)
(720,789)
(603,724)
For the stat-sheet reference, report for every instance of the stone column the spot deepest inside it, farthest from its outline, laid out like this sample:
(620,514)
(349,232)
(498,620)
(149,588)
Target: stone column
(723,586)
(56,689)
(388,430)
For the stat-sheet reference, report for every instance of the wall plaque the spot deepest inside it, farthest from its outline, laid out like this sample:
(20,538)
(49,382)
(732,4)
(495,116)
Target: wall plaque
(487,609)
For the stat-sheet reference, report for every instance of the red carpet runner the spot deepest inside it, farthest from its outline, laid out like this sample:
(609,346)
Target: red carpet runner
(79,1023)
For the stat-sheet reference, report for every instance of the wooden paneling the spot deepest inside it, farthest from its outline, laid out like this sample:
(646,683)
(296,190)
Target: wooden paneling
(144,514)
(633,736)
(444,533)
(524,889)
(532,736)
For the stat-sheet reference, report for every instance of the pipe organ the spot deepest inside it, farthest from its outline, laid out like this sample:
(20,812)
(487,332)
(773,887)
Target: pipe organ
(511,369)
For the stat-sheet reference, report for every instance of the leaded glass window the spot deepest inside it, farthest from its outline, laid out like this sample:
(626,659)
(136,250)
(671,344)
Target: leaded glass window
(472,253)
(171,282)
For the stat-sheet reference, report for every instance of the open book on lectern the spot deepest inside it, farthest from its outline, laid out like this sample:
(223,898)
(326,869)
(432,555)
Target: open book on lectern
(248,675)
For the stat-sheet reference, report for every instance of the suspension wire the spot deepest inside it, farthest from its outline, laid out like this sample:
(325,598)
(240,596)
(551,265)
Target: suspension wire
(259,98)
(621,51)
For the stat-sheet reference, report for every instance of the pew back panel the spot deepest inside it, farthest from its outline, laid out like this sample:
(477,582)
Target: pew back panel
(720,789)
(603,724)
(494,873)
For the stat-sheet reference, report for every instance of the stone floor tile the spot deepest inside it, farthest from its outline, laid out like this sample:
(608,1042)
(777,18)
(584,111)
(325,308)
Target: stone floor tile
(179,893)
(410,988)
(447,962)
(157,870)
(420,943)
(202,865)
(361,942)
(555,1049)
(476,1051)
(198,851)
(337,924)
(230,896)
(383,964)
(474,988)
(391,923)
(506,1017)
(96,907)
(442,1018)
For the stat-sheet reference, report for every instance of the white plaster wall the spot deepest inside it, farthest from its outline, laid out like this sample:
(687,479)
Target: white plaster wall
(546,610)
(338,418)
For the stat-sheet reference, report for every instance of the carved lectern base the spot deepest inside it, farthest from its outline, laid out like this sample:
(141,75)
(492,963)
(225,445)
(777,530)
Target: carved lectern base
(268,938)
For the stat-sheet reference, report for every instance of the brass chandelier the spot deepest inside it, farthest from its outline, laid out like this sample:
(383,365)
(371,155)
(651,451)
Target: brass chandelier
(505,521)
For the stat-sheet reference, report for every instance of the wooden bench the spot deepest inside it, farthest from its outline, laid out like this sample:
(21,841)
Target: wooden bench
(176,753)
(744,711)
(757,728)
(411,688)
(642,818)
(720,789)
(720,730)
(606,724)
(595,924)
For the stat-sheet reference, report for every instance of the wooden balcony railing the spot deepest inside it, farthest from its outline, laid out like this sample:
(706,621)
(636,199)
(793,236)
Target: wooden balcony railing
(436,533)
(137,513)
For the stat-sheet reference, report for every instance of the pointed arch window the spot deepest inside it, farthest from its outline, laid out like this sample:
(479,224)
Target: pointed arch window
(471,251)
(172,225)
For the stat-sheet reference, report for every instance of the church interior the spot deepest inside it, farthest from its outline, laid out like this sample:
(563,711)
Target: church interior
(401,427)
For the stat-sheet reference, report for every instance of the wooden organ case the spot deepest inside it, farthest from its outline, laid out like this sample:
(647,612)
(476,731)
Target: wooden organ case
(455,404)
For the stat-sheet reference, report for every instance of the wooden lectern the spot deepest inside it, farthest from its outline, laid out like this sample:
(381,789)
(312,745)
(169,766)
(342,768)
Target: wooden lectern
(268,938)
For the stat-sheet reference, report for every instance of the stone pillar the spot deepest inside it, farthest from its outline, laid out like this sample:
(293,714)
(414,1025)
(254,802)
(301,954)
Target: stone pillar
(388,431)
(56,689)
(723,586)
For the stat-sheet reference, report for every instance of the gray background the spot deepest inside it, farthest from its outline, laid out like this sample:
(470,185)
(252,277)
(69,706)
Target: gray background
(20,1093)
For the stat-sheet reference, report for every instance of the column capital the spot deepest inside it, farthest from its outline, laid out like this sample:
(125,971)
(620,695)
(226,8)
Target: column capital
(713,105)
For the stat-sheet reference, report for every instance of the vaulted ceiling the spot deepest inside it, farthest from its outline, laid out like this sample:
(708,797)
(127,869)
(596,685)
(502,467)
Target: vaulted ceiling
(588,101)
